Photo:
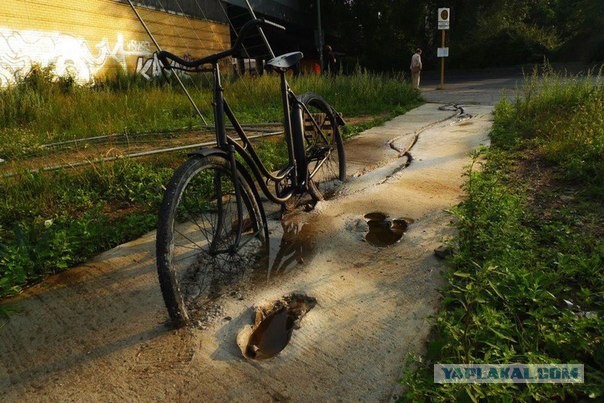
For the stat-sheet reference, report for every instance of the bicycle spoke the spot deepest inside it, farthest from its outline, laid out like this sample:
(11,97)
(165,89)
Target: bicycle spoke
(324,149)
(210,247)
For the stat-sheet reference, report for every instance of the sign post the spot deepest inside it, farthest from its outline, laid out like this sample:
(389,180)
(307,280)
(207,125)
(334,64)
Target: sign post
(443,25)
(320,35)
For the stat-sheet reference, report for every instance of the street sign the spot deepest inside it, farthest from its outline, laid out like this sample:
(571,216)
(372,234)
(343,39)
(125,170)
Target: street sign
(444,15)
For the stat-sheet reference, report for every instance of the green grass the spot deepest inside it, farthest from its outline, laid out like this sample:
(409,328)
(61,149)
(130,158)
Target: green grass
(55,220)
(41,109)
(526,282)
(51,221)
(562,116)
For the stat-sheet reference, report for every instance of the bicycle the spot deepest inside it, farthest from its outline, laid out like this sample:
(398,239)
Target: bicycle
(212,225)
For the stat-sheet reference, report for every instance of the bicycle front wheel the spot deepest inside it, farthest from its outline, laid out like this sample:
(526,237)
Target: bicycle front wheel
(203,245)
(324,147)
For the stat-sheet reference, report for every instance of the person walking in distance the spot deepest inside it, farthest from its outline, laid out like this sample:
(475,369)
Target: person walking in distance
(329,61)
(416,67)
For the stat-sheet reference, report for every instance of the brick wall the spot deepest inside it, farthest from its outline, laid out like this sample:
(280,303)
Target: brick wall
(89,38)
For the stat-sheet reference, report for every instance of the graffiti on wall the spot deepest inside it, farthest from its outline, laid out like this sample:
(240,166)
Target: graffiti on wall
(70,55)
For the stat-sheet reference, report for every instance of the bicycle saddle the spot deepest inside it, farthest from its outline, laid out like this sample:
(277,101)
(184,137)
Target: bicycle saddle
(285,61)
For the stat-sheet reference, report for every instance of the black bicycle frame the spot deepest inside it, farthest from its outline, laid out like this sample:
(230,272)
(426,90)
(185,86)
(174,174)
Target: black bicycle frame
(292,125)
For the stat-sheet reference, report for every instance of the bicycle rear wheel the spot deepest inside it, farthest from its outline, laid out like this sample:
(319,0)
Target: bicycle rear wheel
(198,253)
(324,147)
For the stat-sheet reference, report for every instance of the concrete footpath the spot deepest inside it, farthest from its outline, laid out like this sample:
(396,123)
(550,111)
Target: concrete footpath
(97,332)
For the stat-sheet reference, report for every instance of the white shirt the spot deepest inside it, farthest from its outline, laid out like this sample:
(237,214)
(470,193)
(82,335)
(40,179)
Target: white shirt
(416,60)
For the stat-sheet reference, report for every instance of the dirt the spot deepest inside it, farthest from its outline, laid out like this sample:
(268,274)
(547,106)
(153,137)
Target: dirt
(358,120)
(550,195)
(117,146)
(98,331)
(86,151)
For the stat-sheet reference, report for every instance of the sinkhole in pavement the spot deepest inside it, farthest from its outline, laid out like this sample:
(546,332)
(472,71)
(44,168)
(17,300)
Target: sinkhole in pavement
(384,231)
(273,326)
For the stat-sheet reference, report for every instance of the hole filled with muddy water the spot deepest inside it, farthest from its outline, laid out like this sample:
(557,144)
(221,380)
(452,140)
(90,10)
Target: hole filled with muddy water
(206,288)
(384,231)
(273,327)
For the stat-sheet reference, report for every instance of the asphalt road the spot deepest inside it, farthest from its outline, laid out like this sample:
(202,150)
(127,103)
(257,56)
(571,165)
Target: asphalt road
(486,87)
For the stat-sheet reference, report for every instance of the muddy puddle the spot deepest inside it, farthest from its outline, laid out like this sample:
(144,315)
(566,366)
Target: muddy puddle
(384,231)
(291,246)
(273,326)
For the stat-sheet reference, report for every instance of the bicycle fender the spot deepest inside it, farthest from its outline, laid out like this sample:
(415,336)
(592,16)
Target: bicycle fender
(339,118)
(206,152)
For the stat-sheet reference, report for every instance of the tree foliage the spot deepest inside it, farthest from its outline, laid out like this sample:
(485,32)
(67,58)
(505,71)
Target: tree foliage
(382,34)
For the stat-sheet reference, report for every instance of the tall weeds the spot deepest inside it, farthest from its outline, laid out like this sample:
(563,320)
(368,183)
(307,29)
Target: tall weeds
(564,117)
(525,284)
(41,108)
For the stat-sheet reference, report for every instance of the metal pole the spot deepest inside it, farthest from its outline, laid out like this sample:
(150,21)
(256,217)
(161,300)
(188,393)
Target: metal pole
(182,85)
(134,155)
(268,46)
(320,33)
(442,64)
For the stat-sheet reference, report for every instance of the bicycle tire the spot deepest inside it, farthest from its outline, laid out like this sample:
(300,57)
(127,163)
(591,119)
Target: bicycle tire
(325,155)
(197,230)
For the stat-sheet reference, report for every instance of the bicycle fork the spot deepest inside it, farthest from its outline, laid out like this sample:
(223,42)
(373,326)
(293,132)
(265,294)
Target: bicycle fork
(222,143)
(222,226)
(237,197)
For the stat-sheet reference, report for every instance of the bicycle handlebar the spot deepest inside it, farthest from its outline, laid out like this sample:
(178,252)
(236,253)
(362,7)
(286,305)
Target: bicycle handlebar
(166,56)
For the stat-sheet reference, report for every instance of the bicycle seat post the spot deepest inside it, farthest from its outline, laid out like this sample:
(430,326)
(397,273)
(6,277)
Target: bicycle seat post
(287,123)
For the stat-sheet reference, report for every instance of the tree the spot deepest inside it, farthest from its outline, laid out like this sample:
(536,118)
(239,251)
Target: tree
(382,34)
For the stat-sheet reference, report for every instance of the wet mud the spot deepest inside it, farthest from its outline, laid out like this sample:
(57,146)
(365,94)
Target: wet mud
(383,231)
(273,327)
(291,244)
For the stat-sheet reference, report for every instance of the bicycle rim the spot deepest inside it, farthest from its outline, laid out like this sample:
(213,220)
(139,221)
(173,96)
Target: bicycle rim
(198,252)
(324,149)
